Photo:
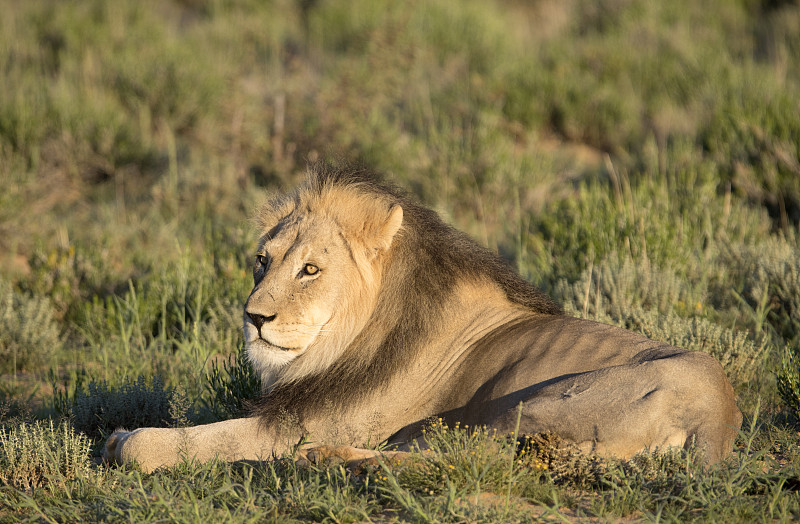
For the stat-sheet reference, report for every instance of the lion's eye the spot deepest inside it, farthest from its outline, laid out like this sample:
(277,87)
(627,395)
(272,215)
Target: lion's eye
(310,269)
(262,260)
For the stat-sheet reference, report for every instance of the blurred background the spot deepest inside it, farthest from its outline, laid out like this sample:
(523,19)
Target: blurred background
(637,159)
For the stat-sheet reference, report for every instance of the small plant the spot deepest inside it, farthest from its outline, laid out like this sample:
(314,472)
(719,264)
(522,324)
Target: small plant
(29,334)
(472,460)
(231,385)
(789,378)
(14,411)
(40,454)
(103,408)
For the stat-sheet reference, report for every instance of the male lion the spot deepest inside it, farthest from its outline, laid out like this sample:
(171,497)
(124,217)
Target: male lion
(369,315)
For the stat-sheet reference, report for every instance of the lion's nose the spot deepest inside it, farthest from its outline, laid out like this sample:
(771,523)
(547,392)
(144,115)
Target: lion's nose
(260,320)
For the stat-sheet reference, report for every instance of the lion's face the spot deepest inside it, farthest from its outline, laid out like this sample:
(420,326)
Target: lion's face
(313,290)
(299,273)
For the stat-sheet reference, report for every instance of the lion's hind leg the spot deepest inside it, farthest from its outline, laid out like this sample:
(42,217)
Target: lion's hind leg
(677,401)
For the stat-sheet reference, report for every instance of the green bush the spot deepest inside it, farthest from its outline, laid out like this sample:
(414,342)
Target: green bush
(789,378)
(231,385)
(101,409)
(29,333)
(661,306)
(618,284)
(752,137)
(468,460)
(43,454)
(171,323)
(768,275)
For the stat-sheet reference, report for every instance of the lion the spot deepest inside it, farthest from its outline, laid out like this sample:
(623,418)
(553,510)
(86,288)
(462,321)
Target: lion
(369,316)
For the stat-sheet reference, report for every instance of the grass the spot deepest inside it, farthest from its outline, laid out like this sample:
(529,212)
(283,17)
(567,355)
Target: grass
(638,160)
(466,476)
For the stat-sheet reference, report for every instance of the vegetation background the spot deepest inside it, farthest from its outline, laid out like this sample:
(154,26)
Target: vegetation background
(637,159)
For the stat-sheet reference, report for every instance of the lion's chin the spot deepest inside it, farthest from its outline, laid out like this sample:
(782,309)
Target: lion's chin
(261,344)
(269,360)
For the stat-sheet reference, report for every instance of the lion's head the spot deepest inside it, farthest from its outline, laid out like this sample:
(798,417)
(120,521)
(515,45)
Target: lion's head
(351,276)
(317,273)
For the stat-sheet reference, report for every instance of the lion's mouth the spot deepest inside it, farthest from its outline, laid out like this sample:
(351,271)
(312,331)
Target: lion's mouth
(253,335)
(272,345)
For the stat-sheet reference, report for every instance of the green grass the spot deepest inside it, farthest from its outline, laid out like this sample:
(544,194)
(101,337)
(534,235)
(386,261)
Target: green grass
(466,476)
(638,160)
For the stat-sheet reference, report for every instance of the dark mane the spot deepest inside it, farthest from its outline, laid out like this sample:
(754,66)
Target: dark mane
(425,262)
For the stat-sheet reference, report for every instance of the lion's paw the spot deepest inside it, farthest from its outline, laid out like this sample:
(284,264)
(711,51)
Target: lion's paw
(113,447)
(150,448)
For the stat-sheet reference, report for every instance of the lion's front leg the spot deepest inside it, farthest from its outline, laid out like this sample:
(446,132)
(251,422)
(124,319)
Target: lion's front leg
(152,448)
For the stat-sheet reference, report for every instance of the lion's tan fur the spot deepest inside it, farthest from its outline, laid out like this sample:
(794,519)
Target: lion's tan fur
(369,315)
(369,226)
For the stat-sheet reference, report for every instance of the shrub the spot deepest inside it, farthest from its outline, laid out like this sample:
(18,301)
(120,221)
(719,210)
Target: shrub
(752,138)
(463,458)
(29,334)
(14,411)
(42,454)
(652,301)
(103,408)
(231,385)
(769,274)
(789,378)
(615,286)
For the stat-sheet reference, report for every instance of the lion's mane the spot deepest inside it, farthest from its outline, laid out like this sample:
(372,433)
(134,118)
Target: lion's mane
(426,261)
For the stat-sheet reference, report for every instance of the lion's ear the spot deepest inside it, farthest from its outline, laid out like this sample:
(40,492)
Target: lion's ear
(389,229)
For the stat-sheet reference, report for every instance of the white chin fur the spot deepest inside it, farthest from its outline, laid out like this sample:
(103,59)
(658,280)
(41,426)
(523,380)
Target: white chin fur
(268,361)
